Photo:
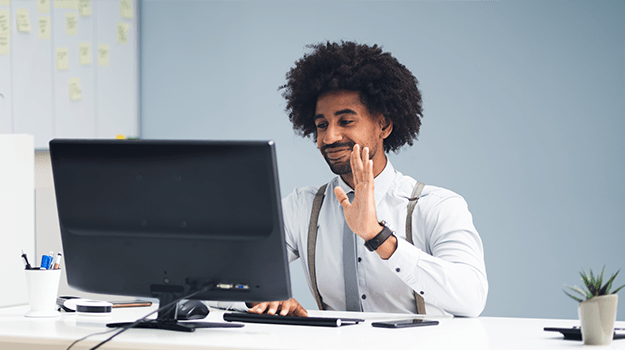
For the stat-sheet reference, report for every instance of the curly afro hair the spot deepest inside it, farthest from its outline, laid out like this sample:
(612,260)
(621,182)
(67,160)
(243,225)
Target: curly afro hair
(386,87)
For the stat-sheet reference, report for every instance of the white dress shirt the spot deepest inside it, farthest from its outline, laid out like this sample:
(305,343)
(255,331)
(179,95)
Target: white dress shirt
(445,264)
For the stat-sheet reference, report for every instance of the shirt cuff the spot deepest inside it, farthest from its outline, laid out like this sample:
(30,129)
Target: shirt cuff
(405,262)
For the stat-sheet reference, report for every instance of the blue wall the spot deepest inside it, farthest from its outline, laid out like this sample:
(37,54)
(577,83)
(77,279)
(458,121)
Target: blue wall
(524,116)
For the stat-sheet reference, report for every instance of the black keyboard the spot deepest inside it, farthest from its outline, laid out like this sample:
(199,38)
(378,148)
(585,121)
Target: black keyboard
(291,320)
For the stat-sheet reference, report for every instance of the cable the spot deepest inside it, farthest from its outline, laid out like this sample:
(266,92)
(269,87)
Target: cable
(125,328)
(87,336)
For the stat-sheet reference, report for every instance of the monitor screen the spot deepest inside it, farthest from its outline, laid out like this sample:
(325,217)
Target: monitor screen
(147,217)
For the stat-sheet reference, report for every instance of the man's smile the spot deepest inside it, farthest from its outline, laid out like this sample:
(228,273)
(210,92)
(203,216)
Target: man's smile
(337,153)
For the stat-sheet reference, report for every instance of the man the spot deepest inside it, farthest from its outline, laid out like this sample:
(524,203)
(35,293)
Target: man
(358,103)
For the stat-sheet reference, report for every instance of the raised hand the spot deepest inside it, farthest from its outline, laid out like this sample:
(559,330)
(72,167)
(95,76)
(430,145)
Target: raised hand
(360,215)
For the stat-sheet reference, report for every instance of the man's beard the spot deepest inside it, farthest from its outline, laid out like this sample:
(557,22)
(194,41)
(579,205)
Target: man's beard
(342,167)
(338,167)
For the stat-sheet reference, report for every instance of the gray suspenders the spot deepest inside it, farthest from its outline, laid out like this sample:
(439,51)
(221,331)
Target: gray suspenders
(312,240)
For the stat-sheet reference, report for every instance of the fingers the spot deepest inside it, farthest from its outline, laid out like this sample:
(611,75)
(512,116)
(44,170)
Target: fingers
(362,166)
(341,196)
(268,307)
(299,310)
(368,166)
(357,165)
(292,308)
(286,308)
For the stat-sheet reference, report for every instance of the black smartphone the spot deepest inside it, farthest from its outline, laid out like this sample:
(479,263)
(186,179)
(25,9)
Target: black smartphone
(415,322)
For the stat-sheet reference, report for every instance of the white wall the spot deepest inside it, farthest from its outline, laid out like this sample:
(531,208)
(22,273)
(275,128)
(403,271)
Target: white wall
(523,115)
(17,213)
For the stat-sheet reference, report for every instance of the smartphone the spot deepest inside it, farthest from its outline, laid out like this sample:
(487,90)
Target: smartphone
(416,322)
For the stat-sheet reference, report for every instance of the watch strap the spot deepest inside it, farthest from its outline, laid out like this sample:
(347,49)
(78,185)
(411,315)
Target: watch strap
(374,243)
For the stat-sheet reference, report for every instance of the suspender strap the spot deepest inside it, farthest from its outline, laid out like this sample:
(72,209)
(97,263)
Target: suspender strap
(312,239)
(412,203)
(312,242)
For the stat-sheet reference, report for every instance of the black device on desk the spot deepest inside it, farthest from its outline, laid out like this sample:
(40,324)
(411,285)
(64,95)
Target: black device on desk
(575,333)
(164,219)
(191,310)
(413,322)
(291,320)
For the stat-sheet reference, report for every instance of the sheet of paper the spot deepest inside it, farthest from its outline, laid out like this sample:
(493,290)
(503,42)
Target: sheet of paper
(44,27)
(62,60)
(5,22)
(75,92)
(43,6)
(71,23)
(5,44)
(23,21)
(5,32)
(104,52)
(125,8)
(122,32)
(66,4)
(84,54)
(84,7)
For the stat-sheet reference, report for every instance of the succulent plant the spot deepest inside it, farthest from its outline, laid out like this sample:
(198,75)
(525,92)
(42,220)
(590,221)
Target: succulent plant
(594,286)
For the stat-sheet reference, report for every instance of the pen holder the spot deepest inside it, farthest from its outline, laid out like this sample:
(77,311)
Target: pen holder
(42,289)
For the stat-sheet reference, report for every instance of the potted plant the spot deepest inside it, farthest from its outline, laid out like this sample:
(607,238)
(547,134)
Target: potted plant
(597,307)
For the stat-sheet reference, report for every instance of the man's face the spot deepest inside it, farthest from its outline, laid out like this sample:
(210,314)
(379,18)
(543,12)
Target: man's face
(343,121)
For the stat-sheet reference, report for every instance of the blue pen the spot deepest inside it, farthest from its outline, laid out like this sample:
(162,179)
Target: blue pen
(45,261)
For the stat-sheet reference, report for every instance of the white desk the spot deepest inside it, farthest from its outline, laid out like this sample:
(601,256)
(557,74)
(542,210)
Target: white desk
(19,332)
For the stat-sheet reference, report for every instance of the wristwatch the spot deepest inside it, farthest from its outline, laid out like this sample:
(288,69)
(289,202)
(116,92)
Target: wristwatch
(375,242)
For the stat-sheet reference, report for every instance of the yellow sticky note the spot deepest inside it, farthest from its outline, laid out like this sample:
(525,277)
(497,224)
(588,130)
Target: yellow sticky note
(84,54)
(5,22)
(125,8)
(5,44)
(62,60)
(44,27)
(23,21)
(75,92)
(43,6)
(71,23)
(122,32)
(104,52)
(84,7)
(6,3)
(66,4)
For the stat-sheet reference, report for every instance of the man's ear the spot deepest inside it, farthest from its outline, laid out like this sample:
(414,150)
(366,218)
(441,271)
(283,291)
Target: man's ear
(387,126)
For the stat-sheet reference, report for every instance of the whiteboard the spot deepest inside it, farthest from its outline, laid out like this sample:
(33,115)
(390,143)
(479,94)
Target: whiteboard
(71,71)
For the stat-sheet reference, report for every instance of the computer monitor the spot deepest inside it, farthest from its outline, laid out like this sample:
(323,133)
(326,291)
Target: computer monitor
(162,219)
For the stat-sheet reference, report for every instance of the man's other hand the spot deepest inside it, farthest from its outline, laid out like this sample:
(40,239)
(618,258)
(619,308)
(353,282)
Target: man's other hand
(285,308)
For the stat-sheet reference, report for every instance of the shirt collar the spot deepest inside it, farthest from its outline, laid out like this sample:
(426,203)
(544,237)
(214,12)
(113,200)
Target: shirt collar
(381,183)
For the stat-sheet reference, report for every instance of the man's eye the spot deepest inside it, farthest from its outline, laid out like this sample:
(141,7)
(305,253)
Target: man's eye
(346,122)
(321,125)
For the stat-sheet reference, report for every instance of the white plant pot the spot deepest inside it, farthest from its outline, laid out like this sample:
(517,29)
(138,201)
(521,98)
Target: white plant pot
(597,316)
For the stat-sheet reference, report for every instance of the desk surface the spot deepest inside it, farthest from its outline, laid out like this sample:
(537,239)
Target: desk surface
(19,332)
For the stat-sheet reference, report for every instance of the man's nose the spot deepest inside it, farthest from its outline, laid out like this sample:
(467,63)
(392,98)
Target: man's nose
(333,134)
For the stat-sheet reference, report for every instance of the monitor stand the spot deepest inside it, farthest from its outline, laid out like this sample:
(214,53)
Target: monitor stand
(166,319)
